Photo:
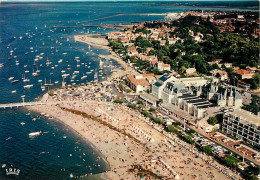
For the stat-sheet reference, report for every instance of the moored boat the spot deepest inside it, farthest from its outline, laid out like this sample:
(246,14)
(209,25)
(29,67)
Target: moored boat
(35,133)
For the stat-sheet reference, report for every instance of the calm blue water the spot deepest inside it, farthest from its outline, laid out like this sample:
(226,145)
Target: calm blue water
(27,38)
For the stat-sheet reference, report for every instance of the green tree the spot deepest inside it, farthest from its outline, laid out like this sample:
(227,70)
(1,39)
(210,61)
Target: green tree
(157,120)
(118,101)
(152,110)
(145,113)
(171,129)
(213,120)
(188,139)
(254,106)
(133,106)
(207,150)
(255,81)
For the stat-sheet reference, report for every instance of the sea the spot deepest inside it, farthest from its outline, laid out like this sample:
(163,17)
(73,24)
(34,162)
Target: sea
(29,44)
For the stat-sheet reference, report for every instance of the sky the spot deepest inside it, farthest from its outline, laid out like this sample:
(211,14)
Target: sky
(112,0)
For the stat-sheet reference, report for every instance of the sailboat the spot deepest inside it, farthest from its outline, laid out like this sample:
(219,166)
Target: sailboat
(50,84)
(35,74)
(100,64)
(83,77)
(24,79)
(42,87)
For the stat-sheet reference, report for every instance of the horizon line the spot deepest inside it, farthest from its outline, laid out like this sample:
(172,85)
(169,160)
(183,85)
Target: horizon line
(214,1)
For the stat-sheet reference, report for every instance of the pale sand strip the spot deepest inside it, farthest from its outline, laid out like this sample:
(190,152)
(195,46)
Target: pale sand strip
(101,42)
(122,151)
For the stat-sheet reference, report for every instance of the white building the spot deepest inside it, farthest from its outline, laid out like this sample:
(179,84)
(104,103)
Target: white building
(243,125)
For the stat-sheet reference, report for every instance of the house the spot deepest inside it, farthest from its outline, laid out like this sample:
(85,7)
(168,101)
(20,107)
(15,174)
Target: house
(251,69)
(116,35)
(190,70)
(227,65)
(140,83)
(171,41)
(132,51)
(221,75)
(162,42)
(163,67)
(243,74)
(191,74)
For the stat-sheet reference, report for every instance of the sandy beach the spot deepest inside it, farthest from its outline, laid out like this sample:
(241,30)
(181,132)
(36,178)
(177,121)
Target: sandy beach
(129,144)
(100,41)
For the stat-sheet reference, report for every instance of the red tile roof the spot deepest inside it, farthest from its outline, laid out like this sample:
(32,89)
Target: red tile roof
(242,72)
(136,82)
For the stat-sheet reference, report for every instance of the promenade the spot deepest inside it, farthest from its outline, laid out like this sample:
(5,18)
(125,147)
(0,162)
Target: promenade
(22,104)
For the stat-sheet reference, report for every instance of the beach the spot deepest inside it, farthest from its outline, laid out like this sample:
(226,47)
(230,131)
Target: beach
(100,41)
(128,142)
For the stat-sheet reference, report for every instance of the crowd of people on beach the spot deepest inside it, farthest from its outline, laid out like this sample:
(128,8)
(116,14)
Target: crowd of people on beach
(126,138)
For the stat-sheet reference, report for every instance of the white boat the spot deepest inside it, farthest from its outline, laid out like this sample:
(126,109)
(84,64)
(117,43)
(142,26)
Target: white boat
(60,61)
(14,91)
(65,75)
(1,65)
(26,71)
(10,78)
(83,77)
(42,87)
(28,86)
(22,123)
(26,80)
(39,80)
(35,133)
(14,81)
(56,82)
(35,74)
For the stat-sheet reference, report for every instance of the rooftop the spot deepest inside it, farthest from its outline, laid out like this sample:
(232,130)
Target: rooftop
(242,72)
(136,82)
(246,116)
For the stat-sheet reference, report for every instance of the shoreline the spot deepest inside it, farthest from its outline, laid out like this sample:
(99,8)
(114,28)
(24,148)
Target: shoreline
(100,41)
(122,146)
(129,144)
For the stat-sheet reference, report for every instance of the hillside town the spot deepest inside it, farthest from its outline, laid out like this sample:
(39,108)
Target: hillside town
(201,70)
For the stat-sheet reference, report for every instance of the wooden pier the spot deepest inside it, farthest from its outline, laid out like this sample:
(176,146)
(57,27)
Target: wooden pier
(22,104)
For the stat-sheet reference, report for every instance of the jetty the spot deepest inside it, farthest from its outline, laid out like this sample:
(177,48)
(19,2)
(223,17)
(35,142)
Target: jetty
(22,104)
(126,14)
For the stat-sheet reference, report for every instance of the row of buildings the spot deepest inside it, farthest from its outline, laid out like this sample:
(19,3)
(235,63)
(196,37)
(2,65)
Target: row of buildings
(196,96)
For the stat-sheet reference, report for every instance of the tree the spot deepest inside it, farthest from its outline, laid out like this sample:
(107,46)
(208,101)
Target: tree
(207,150)
(255,82)
(188,139)
(254,106)
(145,113)
(152,110)
(213,120)
(157,120)
(215,66)
(231,161)
(170,128)
(133,106)
(118,101)
(140,102)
